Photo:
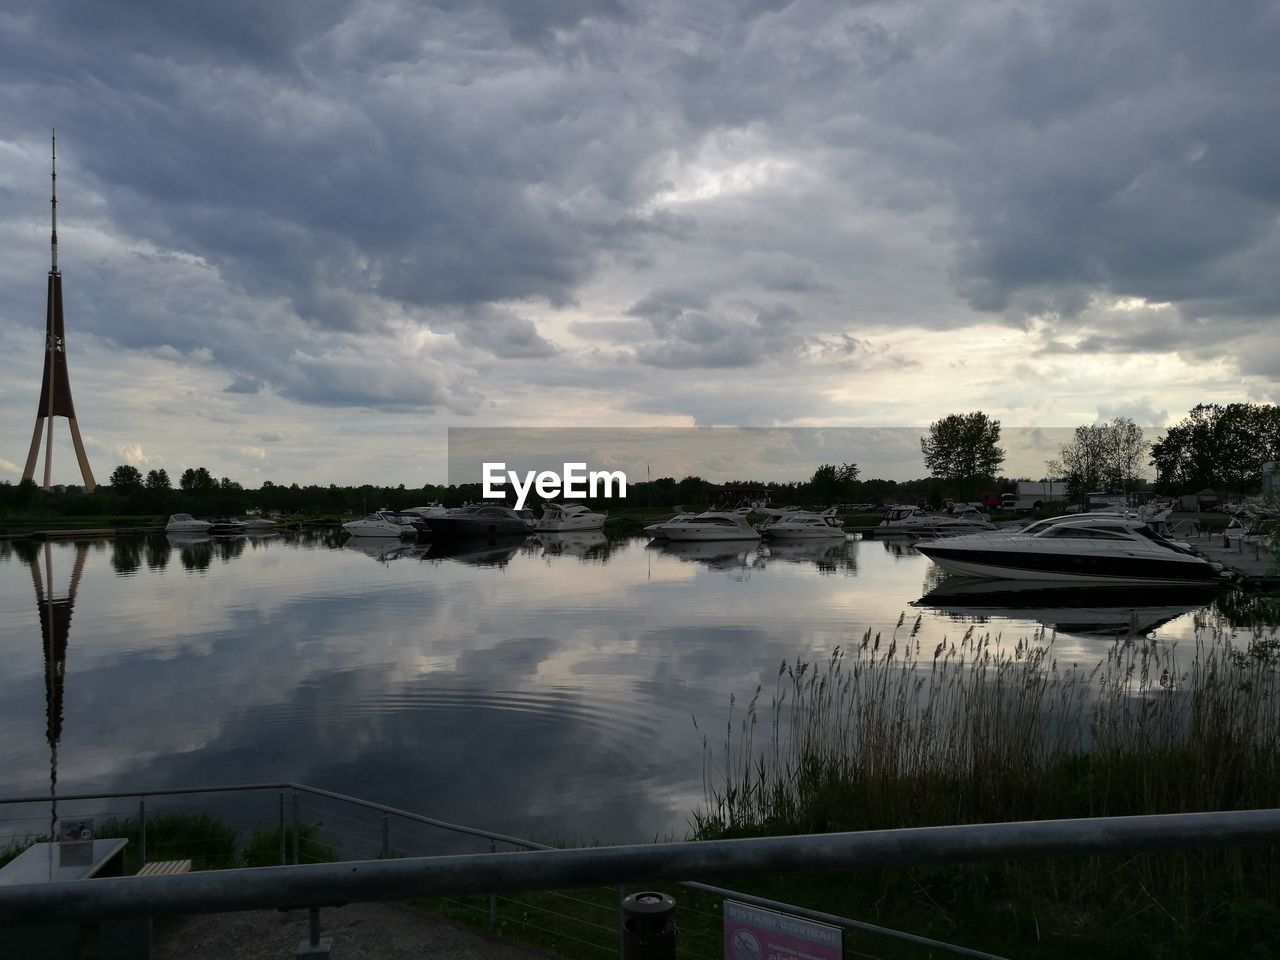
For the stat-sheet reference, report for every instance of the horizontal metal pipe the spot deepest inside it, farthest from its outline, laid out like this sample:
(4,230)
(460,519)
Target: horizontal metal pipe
(229,788)
(419,818)
(336,883)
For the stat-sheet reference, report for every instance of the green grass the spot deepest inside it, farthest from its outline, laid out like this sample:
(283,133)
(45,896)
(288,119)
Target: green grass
(14,846)
(208,842)
(263,847)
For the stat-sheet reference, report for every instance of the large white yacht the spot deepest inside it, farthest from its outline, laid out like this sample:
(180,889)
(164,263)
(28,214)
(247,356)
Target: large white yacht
(381,523)
(185,523)
(713,525)
(1087,550)
(803,525)
(560,517)
(658,531)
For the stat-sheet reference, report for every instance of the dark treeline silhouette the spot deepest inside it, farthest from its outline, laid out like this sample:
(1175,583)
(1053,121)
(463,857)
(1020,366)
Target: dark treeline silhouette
(829,485)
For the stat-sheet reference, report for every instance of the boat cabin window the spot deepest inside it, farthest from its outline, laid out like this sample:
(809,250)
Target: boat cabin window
(1082,533)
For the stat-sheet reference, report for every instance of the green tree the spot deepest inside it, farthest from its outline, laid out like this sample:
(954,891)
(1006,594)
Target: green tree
(963,448)
(1222,447)
(830,482)
(1100,456)
(126,478)
(197,480)
(158,480)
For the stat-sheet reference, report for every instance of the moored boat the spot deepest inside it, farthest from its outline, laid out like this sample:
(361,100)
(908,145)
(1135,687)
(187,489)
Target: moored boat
(481,520)
(561,517)
(804,525)
(713,525)
(184,523)
(381,523)
(1118,550)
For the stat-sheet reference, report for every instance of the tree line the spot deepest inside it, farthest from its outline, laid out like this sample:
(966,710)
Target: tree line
(1220,447)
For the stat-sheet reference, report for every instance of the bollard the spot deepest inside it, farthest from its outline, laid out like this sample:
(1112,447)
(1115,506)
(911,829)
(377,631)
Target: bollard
(648,927)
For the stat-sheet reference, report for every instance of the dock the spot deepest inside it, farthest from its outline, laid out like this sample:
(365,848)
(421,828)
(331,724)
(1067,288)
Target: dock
(1252,562)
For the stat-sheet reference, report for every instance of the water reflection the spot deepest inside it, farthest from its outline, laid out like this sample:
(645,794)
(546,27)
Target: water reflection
(590,545)
(731,555)
(55,631)
(828,556)
(476,553)
(1092,611)
(497,683)
(384,549)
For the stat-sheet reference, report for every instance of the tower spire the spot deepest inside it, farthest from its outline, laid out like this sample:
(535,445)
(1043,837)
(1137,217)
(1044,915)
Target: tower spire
(53,203)
(55,392)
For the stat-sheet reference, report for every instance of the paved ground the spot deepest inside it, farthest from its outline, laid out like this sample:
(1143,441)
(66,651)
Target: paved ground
(359,931)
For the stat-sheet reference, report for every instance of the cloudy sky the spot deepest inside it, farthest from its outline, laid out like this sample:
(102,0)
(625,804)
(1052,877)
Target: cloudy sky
(300,240)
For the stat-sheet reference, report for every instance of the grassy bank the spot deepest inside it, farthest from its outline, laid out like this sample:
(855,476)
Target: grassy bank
(207,841)
(887,734)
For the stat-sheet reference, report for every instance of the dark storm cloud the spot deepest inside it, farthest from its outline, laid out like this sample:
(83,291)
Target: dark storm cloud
(266,34)
(686,330)
(1127,150)
(363,168)
(502,333)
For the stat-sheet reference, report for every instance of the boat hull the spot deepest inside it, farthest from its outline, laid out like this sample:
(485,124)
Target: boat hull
(816,533)
(685,535)
(1068,568)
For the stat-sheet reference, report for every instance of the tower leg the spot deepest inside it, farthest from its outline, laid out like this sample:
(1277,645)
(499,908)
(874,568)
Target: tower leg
(48,453)
(30,469)
(85,472)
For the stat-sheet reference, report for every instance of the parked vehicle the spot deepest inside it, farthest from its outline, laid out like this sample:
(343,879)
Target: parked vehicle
(1034,494)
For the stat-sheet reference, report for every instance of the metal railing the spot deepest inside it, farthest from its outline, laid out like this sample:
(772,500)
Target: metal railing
(489,872)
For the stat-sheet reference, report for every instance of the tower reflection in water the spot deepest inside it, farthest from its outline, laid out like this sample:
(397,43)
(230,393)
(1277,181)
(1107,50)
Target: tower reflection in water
(55,628)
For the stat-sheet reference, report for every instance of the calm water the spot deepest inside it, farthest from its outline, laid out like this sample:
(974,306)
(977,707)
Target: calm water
(545,690)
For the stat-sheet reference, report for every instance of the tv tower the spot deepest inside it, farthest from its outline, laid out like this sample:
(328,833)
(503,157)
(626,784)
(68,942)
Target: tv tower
(55,394)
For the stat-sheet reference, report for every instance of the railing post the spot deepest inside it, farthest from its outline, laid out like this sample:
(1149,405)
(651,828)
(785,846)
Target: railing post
(622,933)
(493,897)
(282,860)
(295,828)
(313,946)
(142,831)
(648,927)
(386,837)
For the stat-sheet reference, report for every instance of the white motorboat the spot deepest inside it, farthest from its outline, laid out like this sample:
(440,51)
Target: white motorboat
(658,531)
(804,525)
(562,517)
(1115,550)
(381,523)
(185,523)
(914,520)
(713,525)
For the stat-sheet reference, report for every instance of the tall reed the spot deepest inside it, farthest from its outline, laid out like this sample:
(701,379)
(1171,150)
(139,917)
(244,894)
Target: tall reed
(891,733)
